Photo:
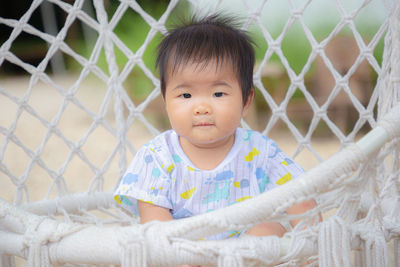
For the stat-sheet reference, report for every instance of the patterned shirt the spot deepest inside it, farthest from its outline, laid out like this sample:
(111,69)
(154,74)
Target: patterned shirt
(163,175)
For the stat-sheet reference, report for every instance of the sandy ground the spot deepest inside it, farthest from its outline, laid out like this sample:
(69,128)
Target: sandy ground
(74,125)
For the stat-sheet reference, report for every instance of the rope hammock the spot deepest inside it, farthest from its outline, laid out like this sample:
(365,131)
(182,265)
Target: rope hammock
(359,186)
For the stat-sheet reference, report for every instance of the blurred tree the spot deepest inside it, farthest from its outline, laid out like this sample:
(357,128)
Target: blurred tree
(15,10)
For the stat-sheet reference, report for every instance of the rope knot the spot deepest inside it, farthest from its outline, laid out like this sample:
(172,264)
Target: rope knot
(158,243)
(40,231)
(145,244)
(375,244)
(133,244)
(390,122)
(391,226)
(297,14)
(159,27)
(228,258)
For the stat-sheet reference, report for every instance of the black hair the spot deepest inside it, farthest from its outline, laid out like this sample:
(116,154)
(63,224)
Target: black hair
(214,37)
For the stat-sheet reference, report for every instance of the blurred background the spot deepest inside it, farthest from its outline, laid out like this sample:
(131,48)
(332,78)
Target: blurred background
(25,131)
(320,16)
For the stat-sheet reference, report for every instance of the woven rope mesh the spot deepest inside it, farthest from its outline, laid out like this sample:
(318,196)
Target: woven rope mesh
(73,120)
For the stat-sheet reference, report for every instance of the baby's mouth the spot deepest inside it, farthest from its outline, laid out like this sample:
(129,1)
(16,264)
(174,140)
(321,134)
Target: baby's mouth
(203,124)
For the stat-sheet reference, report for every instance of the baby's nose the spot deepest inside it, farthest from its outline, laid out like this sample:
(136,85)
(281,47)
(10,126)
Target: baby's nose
(202,109)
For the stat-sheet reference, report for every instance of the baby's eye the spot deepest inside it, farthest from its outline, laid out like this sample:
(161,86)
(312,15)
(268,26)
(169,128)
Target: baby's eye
(186,95)
(219,94)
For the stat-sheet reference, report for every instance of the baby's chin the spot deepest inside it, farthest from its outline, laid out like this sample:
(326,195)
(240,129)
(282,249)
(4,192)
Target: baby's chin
(210,142)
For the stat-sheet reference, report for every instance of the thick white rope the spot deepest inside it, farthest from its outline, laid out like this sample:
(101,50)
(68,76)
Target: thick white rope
(39,252)
(135,250)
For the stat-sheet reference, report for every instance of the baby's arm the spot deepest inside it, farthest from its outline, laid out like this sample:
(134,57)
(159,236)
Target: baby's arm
(149,212)
(274,228)
(266,229)
(302,208)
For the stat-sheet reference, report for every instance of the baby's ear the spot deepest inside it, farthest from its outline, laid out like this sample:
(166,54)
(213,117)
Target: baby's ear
(249,100)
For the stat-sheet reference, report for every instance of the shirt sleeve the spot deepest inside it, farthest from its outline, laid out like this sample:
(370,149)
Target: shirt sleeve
(280,167)
(145,180)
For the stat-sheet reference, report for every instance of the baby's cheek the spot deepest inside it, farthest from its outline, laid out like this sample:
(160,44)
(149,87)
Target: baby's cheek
(231,119)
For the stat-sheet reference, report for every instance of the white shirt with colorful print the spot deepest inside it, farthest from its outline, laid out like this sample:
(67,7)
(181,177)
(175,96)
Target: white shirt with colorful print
(163,175)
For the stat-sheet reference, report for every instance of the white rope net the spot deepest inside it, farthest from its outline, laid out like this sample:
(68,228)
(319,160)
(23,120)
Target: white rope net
(47,219)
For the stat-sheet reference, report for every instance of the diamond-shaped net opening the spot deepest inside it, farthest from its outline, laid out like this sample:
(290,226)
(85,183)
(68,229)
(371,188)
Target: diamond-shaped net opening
(79,95)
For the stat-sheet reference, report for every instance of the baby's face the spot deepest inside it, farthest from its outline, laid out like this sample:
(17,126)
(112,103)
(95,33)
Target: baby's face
(204,103)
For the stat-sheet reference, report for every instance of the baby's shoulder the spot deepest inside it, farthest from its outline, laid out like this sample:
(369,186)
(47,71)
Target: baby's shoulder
(253,137)
(159,149)
(256,140)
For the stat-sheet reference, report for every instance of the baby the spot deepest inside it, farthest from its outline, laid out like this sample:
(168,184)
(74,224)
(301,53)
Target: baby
(206,161)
